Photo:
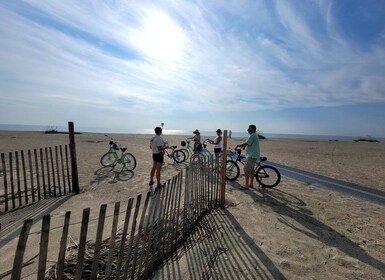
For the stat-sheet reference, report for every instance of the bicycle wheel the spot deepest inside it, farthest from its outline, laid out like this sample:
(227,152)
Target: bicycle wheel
(232,170)
(186,152)
(129,161)
(109,159)
(196,159)
(179,156)
(268,176)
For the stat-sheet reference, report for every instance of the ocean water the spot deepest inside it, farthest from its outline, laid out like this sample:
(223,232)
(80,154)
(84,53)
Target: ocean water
(12,127)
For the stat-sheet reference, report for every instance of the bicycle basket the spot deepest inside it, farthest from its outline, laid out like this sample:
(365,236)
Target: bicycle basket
(183,143)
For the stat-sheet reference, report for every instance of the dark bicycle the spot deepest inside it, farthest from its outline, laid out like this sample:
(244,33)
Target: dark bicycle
(266,175)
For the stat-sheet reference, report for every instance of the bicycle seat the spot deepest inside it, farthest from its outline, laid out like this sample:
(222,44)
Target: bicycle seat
(173,147)
(123,149)
(263,158)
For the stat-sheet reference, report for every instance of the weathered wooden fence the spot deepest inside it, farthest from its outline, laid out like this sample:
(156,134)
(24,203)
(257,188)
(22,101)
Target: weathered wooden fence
(27,177)
(132,247)
(33,175)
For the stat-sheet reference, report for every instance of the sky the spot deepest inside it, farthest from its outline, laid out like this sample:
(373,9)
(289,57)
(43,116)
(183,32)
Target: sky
(287,66)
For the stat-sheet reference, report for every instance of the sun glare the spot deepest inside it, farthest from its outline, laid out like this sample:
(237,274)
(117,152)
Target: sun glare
(161,38)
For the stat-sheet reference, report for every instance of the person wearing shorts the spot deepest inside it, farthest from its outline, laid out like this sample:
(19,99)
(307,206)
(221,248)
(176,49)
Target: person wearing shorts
(157,146)
(252,154)
(217,142)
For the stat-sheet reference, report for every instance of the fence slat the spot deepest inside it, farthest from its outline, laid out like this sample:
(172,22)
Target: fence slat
(68,171)
(124,234)
(98,241)
(48,173)
(111,248)
(18,179)
(53,171)
(82,243)
(57,170)
(42,174)
(37,174)
(24,177)
(63,247)
(43,247)
(21,245)
(62,169)
(31,176)
(139,237)
(4,169)
(11,180)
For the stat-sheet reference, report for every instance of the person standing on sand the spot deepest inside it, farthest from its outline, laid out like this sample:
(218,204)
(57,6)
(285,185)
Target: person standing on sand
(197,140)
(217,142)
(157,145)
(252,154)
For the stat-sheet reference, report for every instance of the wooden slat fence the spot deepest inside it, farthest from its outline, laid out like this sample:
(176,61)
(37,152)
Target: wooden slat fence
(113,247)
(27,177)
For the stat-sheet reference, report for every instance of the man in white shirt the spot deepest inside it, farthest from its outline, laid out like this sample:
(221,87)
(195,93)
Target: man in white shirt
(157,145)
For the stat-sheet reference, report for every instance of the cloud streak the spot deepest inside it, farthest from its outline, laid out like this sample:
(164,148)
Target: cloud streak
(127,56)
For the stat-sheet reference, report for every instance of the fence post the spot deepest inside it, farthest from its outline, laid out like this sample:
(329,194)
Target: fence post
(223,170)
(74,166)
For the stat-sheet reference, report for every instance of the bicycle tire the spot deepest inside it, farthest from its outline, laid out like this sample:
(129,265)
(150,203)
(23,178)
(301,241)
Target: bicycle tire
(109,159)
(196,159)
(179,156)
(232,170)
(186,152)
(268,176)
(129,161)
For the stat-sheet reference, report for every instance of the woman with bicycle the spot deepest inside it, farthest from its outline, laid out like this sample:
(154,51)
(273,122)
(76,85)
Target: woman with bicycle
(197,141)
(157,145)
(252,154)
(217,142)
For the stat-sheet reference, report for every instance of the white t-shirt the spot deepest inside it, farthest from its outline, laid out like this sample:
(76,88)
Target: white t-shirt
(219,140)
(155,142)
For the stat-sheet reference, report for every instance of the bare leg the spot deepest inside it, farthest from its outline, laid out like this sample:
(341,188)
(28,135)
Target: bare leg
(157,174)
(154,165)
(248,179)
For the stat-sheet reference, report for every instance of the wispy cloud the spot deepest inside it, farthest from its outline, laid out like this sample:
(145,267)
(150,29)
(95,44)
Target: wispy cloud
(145,56)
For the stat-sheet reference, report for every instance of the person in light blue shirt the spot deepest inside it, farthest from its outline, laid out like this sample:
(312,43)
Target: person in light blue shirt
(252,154)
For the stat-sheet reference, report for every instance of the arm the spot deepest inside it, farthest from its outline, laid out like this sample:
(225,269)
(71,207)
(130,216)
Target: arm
(243,145)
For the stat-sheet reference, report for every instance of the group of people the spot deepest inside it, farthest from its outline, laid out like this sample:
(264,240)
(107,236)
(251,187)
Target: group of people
(252,152)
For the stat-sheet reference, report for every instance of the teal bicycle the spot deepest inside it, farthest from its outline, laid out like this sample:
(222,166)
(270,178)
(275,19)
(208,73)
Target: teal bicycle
(187,149)
(202,155)
(111,158)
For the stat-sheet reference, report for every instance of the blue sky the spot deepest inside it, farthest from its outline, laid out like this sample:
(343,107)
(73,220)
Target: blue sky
(288,66)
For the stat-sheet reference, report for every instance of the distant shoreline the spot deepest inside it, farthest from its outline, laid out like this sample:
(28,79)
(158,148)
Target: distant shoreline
(79,130)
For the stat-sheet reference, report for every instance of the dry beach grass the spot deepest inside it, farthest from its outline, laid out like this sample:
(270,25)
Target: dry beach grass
(295,231)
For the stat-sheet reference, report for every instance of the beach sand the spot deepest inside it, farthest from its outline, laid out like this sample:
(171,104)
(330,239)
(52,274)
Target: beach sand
(295,231)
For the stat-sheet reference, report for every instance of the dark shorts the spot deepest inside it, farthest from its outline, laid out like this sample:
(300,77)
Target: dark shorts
(217,150)
(158,157)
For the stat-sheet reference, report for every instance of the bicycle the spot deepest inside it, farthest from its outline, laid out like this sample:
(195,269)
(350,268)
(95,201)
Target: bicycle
(186,148)
(111,158)
(177,155)
(266,175)
(201,155)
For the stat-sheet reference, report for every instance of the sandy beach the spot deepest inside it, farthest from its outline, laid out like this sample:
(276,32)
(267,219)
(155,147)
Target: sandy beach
(305,231)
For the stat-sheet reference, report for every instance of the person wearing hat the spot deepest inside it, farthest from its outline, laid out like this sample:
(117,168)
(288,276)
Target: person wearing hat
(197,140)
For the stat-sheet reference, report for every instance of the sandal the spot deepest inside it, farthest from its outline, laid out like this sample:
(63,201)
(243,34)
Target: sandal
(151,183)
